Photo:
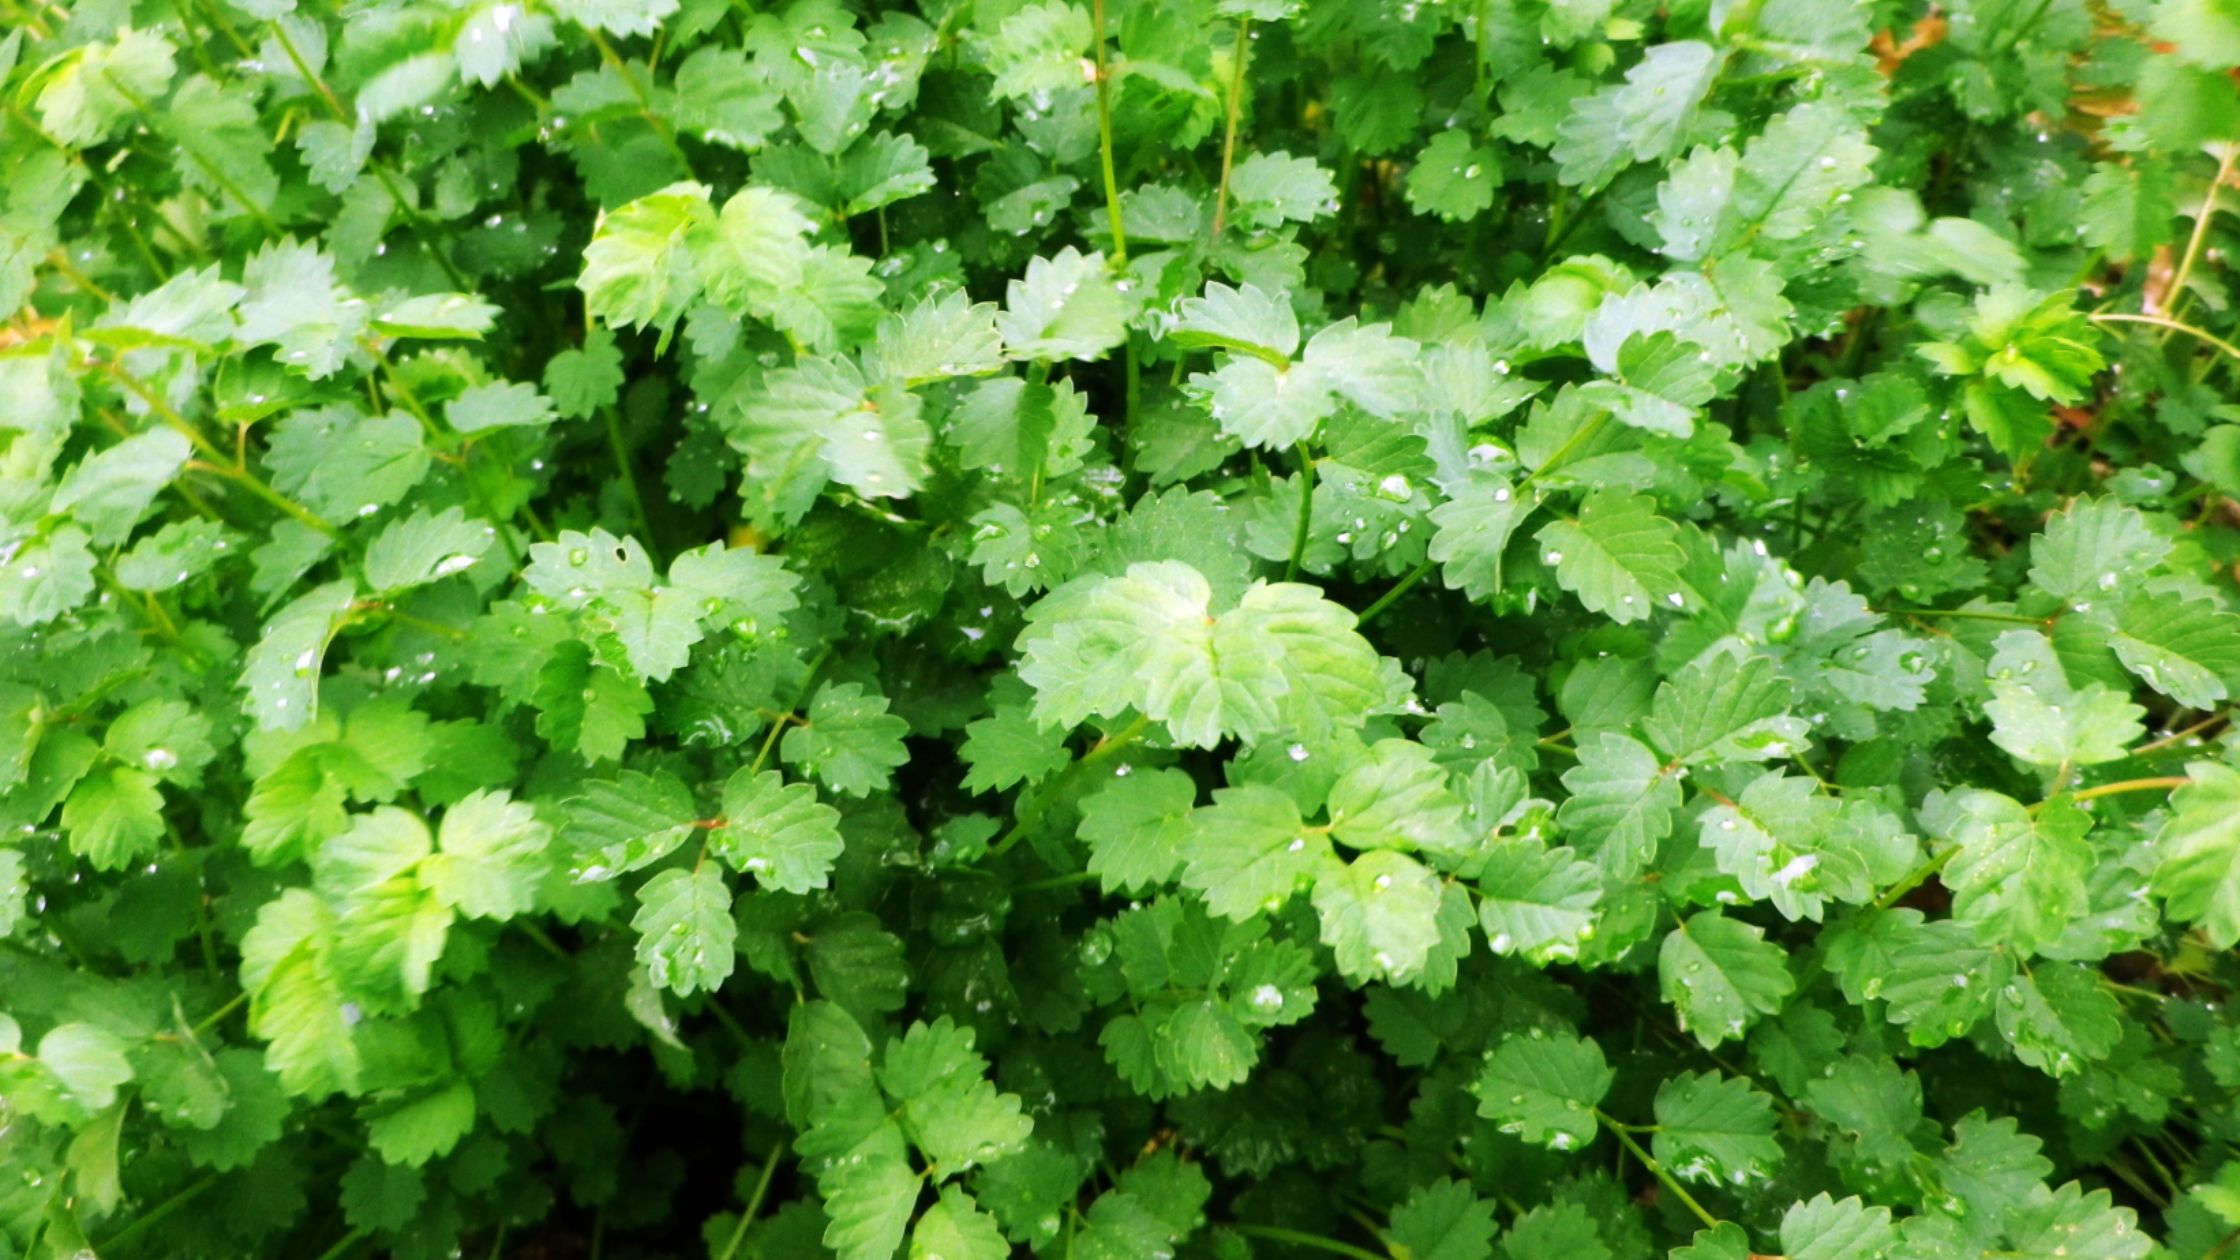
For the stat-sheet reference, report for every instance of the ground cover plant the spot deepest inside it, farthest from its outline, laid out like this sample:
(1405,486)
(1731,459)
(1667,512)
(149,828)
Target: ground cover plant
(1180,628)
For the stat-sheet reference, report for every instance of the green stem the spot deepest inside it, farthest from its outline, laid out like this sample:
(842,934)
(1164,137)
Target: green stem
(1072,879)
(2159,783)
(630,481)
(1306,514)
(1229,135)
(1105,748)
(343,1247)
(754,1202)
(207,1022)
(2170,325)
(1300,1238)
(646,111)
(2200,235)
(1648,1161)
(1104,144)
(1399,588)
(216,173)
(1913,879)
(156,1215)
(1967,614)
(778,724)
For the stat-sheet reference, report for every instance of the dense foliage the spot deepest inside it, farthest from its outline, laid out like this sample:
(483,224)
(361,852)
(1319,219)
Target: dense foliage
(1554,628)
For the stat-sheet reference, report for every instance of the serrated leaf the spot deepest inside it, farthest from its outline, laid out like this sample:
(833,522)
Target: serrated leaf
(1618,556)
(1544,1088)
(1715,1129)
(1720,974)
(778,832)
(685,929)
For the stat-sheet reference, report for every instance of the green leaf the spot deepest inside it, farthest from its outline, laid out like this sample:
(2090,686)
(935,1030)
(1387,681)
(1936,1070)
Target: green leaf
(1284,660)
(1138,828)
(114,817)
(1621,803)
(621,825)
(952,1112)
(1715,1128)
(778,832)
(423,1126)
(1397,798)
(490,857)
(641,268)
(1544,1088)
(2183,647)
(1249,851)
(1482,511)
(1445,1220)
(1453,178)
(1038,49)
(87,1061)
(281,672)
(1618,556)
(954,1228)
(1271,189)
(685,930)
(2018,876)
(2039,717)
(1538,903)
(1380,915)
(1725,708)
(2059,1018)
(2085,551)
(1644,119)
(1720,974)
(1822,1228)
(1065,307)
(2198,874)
(847,740)
(424,548)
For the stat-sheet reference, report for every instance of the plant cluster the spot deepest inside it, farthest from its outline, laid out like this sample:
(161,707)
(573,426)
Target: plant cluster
(1117,629)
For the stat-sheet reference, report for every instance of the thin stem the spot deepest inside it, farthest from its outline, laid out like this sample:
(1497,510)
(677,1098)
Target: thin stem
(207,1022)
(156,1215)
(778,725)
(1071,879)
(1649,1162)
(1104,145)
(1967,614)
(1105,748)
(1300,1238)
(1399,588)
(1306,514)
(342,1248)
(630,480)
(1229,136)
(2159,783)
(2175,738)
(420,224)
(2200,235)
(216,173)
(654,120)
(754,1202)
(2229,350)
(1913,879)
